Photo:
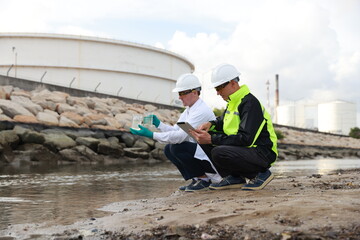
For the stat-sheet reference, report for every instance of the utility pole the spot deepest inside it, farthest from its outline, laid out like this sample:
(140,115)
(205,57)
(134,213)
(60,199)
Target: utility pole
(268,94)
(276,96)
(15,62)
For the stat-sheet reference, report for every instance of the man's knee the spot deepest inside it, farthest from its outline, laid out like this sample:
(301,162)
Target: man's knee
(216,154)
(175,149)
(221,154)
(168,151)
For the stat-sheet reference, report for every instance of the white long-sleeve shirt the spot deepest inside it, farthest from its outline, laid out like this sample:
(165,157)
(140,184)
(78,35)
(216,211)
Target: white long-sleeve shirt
(197,114)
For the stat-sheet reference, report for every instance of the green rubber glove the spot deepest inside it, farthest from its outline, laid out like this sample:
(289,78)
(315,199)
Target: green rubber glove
(156,121)
(142,132)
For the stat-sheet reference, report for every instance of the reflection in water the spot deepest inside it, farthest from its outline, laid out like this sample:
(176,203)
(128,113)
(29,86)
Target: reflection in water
(64,194)
(69,193)
(308,167)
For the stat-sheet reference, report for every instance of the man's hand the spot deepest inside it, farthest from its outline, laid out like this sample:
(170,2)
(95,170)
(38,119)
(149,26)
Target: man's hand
(205,126)
(142,132)
(201,136)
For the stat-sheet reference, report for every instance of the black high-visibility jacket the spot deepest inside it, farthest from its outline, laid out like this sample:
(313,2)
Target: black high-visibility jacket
(245,123)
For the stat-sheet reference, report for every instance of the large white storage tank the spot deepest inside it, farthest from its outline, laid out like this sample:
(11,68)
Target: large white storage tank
(337,117)
(311,116)
(107,66)
(292,115)
(301,114)
(286,115)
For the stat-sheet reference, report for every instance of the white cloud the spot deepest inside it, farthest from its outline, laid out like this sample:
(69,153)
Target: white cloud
(314,45)
(293,39)
(22,16)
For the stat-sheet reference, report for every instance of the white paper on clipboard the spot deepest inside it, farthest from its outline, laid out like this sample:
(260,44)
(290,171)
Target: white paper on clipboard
(186,127)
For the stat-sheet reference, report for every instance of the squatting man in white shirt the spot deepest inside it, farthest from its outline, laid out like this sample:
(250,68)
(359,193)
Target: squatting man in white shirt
(181,149)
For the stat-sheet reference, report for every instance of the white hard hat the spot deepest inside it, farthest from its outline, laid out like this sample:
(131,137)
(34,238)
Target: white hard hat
(223,73)
(187,81)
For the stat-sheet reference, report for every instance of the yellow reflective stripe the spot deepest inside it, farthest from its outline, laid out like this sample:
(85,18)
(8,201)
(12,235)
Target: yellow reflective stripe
(259,129)
(272,133)
(258,133)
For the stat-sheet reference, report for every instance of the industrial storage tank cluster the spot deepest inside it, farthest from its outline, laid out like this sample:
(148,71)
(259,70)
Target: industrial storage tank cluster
(334,117)
(113,67)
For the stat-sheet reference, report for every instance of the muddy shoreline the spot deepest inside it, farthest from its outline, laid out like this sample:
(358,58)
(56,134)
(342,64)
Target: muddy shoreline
(290,207)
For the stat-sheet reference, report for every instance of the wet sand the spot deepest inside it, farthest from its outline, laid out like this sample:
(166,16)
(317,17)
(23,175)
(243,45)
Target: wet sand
(291,207)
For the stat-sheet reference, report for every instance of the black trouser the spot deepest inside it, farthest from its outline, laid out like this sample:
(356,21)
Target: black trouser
(182,156)
(236,161)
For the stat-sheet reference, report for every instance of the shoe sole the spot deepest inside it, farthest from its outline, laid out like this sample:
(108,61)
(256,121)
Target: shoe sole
(231,186)
(199,190)
(271,177)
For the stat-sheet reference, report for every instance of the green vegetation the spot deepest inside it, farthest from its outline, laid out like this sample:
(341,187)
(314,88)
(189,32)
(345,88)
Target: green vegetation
(182,109)
(279,134)
(218,111)
(355,132)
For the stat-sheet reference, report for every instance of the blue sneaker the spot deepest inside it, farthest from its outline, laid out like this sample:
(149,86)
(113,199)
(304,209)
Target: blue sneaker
(228,182)
(182,188)
(198,186)
(259,182)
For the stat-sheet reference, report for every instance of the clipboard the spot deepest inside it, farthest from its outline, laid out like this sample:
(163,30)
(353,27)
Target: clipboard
(186,127)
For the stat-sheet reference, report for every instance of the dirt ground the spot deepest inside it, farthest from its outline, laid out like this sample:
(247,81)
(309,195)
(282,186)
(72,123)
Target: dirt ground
(305,207)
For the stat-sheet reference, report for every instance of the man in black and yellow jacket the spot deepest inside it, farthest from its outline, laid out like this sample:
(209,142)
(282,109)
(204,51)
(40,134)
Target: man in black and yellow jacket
(241,143)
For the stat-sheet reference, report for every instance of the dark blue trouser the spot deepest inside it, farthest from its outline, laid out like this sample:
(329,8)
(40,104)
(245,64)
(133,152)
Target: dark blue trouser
(182,156)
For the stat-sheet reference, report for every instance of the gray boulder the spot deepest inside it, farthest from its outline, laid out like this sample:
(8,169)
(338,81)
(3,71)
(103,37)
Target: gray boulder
(32,137)
(6,125)
(56,142)
(49,105)
(142,145)
(6,154)
(9,138)
(158,154)
(11,109)
(47,118)
(89,142)
(72,155)
(29,136)
(64,107)
(136,153)
(110,148)
(149,142)
(20,130)
(74,133)
(3,117)
(38,153)
(55,96)
(27,103)
(89,154)
(128,139)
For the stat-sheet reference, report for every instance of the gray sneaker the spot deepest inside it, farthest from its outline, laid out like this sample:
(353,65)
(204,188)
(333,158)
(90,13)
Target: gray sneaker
(198,186)
(182,188)
(228,182)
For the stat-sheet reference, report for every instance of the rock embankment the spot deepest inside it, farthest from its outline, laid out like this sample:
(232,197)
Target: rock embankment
(307,144)
(60,109)
(44,126)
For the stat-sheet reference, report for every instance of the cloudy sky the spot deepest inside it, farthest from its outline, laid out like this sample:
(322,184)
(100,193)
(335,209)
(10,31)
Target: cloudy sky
(314,45)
